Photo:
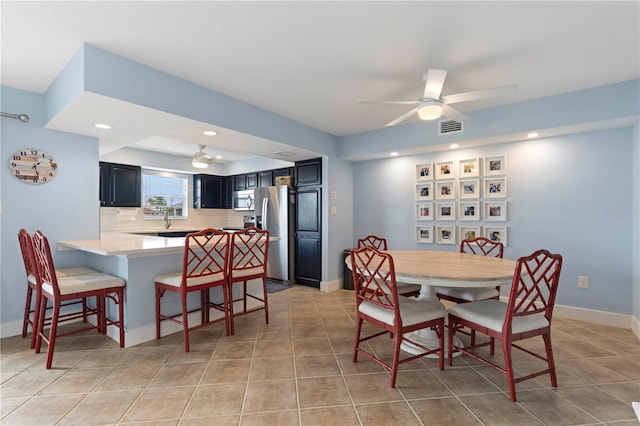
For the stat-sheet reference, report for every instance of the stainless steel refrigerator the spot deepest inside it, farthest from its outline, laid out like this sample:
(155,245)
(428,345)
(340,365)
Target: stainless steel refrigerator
(274,211)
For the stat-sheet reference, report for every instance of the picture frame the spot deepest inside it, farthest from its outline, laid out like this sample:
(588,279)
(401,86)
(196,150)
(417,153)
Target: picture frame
(424,211)
(469,232)
(496,233)
(495,211)
(445,190)
(424,171)
(445,211)
(468,189)
(495,166)
(444,170)
(469,168)
(495,188)
(424,234)
(445,234)
(424,191)
(469,210)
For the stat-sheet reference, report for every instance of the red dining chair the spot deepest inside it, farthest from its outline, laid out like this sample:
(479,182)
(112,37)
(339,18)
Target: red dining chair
(527,314)
(378,303)
(248,261)
(65,289)
(204,266)
(380,243)
(30,318)
(480,246)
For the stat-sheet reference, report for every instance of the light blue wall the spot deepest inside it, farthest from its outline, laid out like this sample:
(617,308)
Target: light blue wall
(65,208)
(568,194)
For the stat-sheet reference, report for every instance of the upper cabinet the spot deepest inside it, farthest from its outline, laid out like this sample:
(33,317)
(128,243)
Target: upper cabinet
(251,180)
(265,179)
(208,192)
(239,183)
(287,171)
(309,172)
(120,185)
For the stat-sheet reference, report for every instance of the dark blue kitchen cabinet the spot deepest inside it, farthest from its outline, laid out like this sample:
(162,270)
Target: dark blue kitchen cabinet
(120,185)
(208,191)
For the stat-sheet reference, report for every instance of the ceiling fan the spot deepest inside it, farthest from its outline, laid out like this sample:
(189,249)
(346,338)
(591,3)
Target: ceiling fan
(201,159)
(432,106)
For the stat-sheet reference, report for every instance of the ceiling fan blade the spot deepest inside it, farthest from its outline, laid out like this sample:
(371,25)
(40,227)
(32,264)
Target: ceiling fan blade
(480,94)
(453,113)
(433,82)
(402,117)
(390,102)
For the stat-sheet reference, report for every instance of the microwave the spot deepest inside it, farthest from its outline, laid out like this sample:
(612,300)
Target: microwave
(243,200)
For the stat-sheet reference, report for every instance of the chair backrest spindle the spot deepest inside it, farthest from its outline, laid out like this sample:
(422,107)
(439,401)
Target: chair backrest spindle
(482,246)
(534,286)
(374,241)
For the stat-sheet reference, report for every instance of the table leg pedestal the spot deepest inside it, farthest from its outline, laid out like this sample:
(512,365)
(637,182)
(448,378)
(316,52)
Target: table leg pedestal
(427,337)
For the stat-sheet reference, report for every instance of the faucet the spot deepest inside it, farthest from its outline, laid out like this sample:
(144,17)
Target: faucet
(167,222)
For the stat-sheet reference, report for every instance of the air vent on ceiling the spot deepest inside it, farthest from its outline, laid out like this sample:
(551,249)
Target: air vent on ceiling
(450,126)
(284,154)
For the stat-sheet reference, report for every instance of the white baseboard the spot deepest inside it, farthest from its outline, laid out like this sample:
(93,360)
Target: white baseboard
(9,329)
(635,326)
(328,286)
(593,316)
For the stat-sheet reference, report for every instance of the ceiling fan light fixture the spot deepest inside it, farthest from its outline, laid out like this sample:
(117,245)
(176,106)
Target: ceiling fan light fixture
(430,110)
(199,163)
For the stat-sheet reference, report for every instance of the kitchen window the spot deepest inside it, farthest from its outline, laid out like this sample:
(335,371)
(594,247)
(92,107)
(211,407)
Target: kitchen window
(164,192)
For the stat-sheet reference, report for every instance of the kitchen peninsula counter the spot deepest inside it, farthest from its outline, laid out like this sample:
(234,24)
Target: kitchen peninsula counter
(137,259)
(129,245)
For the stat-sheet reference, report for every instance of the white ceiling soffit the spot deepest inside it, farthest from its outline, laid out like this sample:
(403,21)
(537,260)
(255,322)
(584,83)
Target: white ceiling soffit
(136,126)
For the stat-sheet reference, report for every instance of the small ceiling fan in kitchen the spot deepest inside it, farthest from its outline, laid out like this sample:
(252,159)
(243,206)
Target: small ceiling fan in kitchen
(201,159)
(432,106)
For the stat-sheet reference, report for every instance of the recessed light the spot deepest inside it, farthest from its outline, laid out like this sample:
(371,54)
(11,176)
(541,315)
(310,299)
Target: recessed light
(454,145)
(104,126)
(532,135)
(210,132)
(394,154)
(218,157)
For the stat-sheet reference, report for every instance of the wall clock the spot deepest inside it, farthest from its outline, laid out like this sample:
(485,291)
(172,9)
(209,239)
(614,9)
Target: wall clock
(33,166)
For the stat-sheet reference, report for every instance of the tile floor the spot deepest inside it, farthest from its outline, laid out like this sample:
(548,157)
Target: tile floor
(298,371)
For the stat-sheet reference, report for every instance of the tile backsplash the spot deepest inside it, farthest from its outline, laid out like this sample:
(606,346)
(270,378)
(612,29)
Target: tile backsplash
(129,219)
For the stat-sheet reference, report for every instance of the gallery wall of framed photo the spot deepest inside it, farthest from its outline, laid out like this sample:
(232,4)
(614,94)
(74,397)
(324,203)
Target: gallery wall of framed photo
(457,200)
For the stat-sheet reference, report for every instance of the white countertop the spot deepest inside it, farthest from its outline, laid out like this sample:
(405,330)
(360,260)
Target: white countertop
(119,244)
(128,245)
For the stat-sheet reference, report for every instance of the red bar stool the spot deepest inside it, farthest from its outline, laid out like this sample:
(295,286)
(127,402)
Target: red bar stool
(248,261)
(206,255)
(26,247)
(65,289)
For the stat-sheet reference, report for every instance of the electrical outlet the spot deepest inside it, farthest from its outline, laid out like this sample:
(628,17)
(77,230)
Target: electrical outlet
(583,282)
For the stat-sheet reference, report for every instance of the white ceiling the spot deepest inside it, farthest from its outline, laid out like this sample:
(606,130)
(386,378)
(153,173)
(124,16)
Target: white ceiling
(313,61)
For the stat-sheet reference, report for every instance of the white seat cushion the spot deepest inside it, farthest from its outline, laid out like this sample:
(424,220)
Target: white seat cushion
(175,279)
(72,272)
(66,272)
(491,314)
(88,282)
(469,293)
(411,311)
(239,273)
(406,287)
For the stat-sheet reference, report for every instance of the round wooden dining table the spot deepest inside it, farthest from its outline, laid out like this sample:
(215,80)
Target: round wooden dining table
(446,269)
